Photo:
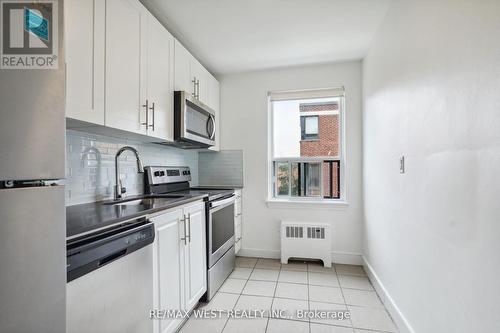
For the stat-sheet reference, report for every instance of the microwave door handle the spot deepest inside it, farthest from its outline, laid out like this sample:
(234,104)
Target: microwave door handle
(207,127)
(212,136)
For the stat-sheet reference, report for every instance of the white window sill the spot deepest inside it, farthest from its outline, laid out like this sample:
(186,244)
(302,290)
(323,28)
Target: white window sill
(300,204)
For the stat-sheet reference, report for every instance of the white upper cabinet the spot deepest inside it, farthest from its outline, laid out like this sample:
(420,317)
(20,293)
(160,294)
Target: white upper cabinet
(126,24)
(123,66)
(183,80)
(214,103)
(192,77)
(84,39)
(160,81)
(139,71)
(201,76)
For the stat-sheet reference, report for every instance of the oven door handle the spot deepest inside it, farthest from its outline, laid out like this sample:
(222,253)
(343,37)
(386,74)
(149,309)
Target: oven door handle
(218,203)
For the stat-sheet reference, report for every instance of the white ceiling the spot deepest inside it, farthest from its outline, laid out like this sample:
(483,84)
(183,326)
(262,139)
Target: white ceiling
(230,36)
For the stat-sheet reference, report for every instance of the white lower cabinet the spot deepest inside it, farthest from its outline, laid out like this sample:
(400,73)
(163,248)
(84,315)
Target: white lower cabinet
(195,265)
(237,221)
(167,268)
(179,262)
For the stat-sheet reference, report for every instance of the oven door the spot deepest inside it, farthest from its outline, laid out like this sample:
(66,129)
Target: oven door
(220,228)
(195,121)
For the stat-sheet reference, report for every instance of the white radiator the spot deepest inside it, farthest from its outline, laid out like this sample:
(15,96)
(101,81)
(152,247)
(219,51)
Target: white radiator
(306,241)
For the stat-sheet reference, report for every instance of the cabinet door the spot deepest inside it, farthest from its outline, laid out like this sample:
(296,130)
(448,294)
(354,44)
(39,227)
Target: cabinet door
(160,81)
(214,103)
(201,75)
(195,255)
(84,40)
(167,268)
(238,221)
(182,75)
(126,23)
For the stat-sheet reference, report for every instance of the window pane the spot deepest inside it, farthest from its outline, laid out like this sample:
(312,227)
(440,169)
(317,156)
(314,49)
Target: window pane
(306,127)
(311,125)
(331,172)
(295,188)
(336,180)
(313,176)
(326,179)
(282,178)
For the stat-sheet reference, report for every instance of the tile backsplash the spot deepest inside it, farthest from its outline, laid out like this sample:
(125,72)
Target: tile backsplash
(90,165)
(221,168)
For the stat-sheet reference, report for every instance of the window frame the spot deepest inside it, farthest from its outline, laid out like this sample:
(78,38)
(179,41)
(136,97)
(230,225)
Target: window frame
(341,158)
(303,125)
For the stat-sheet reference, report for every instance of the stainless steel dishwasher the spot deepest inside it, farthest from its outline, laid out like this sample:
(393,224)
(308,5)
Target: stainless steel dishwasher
(110,280)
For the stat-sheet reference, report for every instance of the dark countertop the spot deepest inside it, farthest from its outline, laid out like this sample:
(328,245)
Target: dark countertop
(89,217)
(222,187)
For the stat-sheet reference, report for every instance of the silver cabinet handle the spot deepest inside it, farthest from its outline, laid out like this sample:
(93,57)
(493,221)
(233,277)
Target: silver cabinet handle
(146,106)
(194,87)
(189,226)
(185,236)
(152,108)
(197,84)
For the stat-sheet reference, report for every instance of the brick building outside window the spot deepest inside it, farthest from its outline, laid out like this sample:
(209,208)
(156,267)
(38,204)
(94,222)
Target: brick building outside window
(322,142)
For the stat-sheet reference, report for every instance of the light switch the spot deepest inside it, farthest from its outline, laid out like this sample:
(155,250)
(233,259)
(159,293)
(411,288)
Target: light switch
(402,164)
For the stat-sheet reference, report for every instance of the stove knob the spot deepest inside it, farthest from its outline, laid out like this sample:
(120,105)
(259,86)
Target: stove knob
(157,173)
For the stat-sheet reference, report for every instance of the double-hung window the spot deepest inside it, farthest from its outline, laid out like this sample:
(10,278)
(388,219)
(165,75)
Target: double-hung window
(306,145)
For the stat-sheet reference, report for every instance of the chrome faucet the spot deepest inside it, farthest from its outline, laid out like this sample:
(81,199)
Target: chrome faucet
(119,190)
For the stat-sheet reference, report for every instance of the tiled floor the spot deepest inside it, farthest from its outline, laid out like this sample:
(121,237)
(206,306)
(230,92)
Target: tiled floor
(265,284)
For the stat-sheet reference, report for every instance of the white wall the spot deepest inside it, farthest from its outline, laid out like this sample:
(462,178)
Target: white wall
(432,93)
(244,126)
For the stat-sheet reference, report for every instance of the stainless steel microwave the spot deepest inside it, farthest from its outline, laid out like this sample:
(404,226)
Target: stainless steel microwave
(194,122)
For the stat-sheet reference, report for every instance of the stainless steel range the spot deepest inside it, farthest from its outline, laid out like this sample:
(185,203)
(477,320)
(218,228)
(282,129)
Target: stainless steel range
(219,216)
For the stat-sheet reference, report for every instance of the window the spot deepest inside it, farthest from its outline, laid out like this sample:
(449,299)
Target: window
(306,148)
(309,127)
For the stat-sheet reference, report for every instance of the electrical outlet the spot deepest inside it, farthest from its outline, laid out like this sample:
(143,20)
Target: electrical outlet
(402,164)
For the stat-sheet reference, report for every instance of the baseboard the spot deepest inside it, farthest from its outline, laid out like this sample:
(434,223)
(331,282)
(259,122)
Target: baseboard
(398,317)
(259,253)
(347,258)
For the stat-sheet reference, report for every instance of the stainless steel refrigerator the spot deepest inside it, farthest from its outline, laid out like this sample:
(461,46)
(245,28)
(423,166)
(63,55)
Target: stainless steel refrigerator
(32,218)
